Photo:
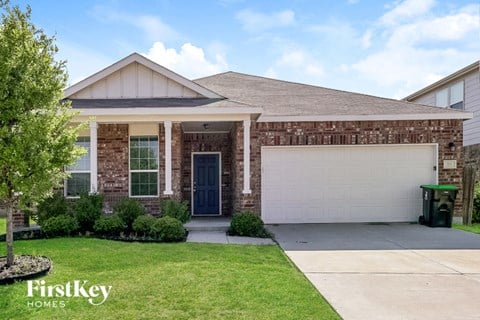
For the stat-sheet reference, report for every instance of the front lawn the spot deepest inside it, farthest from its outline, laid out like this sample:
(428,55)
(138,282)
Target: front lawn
(3,225)
(475,228)
(168,281)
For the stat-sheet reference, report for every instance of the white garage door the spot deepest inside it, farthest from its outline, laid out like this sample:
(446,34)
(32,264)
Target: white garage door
(314,184)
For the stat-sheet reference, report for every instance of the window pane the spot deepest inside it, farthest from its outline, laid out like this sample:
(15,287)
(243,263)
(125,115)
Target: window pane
(144,183)
(143,153)
(77,184)
(456,94)
(442,98)
(83,163)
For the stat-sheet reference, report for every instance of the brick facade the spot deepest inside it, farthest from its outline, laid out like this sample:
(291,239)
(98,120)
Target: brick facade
(209,142)
(442,132)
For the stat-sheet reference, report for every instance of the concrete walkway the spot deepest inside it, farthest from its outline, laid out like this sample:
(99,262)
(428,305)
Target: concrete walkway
(396,271)
(222,237)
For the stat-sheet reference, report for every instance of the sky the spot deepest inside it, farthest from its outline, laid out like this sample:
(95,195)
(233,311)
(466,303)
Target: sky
(383,48)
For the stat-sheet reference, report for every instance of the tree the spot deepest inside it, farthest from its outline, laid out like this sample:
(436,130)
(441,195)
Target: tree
(37,139)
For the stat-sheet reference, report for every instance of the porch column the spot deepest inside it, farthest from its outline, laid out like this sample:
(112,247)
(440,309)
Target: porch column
(93,157)
(246,157)
(168,157)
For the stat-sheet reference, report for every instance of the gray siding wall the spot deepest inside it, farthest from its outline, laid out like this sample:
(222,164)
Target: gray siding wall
(471,128)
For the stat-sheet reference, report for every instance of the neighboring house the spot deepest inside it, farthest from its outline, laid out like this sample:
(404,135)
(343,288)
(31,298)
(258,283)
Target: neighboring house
(459,90)
(293,153)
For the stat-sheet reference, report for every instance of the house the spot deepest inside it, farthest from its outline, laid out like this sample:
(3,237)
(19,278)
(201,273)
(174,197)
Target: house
(459,90)
(291,152)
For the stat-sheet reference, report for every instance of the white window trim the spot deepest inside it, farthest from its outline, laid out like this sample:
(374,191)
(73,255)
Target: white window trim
(65,182)
(150,170)
(448,89)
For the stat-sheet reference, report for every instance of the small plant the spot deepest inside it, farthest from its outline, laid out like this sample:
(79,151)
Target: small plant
(87,210)
(175,209)
(476,205)
(247,224)
(109,225)
(168,229)
(60,226)
(143,225)
(53,206)
(128,210)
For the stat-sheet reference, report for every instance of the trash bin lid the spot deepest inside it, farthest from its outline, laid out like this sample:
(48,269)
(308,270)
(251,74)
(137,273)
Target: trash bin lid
(439,186)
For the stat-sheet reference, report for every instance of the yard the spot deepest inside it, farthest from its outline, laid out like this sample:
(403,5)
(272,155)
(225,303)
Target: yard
(3,225)
(169,281)
(475,228)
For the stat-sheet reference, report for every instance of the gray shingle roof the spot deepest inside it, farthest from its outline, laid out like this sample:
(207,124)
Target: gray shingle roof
(283,98)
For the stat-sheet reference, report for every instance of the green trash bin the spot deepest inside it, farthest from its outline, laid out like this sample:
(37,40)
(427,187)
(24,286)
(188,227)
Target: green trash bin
(438,205)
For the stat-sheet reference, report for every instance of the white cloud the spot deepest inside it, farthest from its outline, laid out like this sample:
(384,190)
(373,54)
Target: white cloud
(367,39)
(297,65)
(152,26)
(418,51)
(406,9)
(253,21)
(190,61)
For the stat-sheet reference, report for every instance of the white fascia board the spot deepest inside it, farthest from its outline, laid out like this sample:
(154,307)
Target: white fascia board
(387,117)
(166,111)
(135,57)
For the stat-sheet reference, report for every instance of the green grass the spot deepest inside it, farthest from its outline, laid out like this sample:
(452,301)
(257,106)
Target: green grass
(3,225)
(474,228)
(169,281)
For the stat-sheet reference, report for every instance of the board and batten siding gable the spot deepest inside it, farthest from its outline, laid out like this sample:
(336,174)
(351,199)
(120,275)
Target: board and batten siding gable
(471,128)
(135,81)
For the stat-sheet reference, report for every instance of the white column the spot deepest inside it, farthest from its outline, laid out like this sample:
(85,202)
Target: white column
(246,157)
(93,157)
(168,157)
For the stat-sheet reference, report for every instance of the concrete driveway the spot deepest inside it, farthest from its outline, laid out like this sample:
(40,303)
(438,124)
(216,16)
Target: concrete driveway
(388,271)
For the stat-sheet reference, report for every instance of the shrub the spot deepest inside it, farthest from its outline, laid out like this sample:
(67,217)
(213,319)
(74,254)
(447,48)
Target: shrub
(175,209)
(109,225)
(87,210)
(128,210)
(53,206)
(476,205)
(59,226)
(143,224)
(247,224)
(168,229)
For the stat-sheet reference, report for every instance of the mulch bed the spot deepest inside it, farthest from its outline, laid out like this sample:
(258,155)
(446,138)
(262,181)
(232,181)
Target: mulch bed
(23,268)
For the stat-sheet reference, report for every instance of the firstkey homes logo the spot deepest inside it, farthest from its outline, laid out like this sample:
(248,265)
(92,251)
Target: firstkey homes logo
(56,296)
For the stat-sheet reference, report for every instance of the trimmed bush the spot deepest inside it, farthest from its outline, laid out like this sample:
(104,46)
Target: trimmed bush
(247,224)
(476,205)
(175,209)
(53,206)
(60,226)
(168,229)
(143,224)
(128,210)
(87,210)
(109,225)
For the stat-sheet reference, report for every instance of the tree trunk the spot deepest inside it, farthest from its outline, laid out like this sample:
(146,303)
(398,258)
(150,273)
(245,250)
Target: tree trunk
(9,236)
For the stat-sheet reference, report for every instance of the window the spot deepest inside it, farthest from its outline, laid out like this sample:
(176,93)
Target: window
(456,96)
(450,97)
(79,181)
(143,166)
(442,98)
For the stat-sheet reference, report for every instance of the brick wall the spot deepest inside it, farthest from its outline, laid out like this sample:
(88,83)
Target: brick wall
(346,133)
(472,158)
(209,142)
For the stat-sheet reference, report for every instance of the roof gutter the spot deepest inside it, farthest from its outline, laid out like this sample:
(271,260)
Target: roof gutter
(472,67)
(361,117)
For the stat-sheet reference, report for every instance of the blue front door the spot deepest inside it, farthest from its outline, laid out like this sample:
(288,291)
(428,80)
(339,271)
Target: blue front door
(206,187)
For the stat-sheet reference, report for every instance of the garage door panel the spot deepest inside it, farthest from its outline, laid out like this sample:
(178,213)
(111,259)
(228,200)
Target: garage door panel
(345,183)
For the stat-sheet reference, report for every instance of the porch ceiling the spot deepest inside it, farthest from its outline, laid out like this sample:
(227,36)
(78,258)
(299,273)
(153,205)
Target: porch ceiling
(206,126)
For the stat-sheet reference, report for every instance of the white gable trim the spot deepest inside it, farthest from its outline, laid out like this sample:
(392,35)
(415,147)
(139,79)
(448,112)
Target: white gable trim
(135,57)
